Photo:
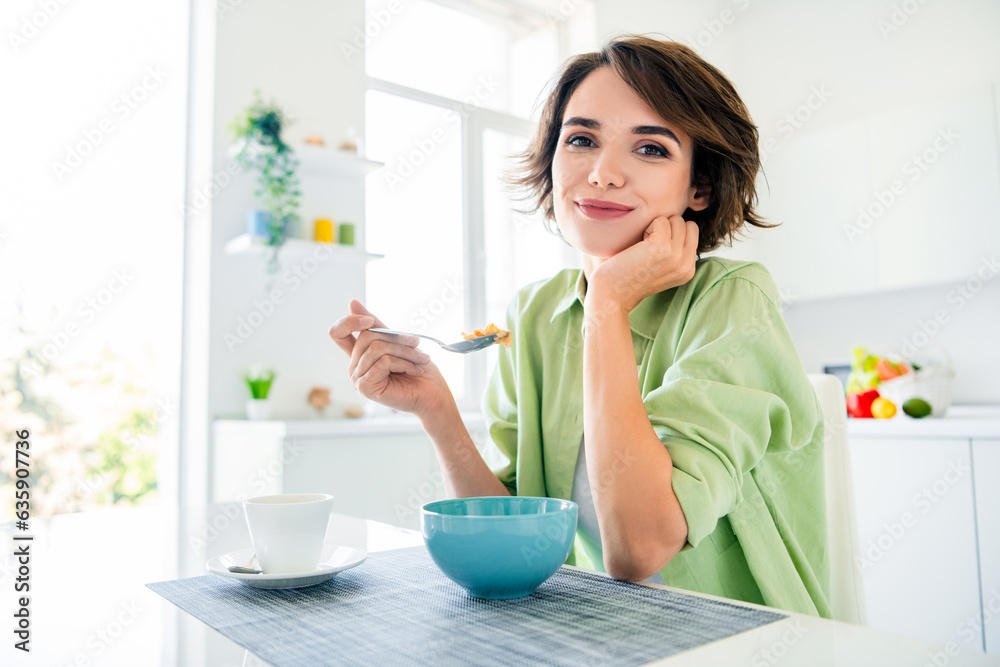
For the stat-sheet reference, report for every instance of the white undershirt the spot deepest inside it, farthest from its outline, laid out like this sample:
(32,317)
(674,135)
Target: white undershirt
(586,513)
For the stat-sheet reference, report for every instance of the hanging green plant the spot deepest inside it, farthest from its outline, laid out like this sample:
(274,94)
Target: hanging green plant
(257,132)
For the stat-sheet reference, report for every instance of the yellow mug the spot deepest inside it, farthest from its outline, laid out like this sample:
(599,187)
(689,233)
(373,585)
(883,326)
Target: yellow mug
(324,230)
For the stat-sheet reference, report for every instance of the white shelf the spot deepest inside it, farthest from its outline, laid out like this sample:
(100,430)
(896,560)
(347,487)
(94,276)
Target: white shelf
(403,424)
(322,160)
(296,249)
(319,159)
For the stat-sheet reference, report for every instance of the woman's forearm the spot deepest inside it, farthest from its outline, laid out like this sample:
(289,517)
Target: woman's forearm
(642,524)
(465,472)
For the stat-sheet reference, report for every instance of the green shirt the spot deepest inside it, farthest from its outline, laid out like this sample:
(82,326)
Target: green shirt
(727,395)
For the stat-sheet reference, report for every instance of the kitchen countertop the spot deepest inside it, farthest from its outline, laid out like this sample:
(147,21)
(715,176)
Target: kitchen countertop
(282,429)
(961,421)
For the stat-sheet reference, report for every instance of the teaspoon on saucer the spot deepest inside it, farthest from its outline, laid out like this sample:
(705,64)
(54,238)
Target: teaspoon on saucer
(247,569)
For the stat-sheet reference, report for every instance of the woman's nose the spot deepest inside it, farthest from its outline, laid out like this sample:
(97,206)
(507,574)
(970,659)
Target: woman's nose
(607,171)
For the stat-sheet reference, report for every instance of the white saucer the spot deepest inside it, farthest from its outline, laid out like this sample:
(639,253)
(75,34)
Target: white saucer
(333,560)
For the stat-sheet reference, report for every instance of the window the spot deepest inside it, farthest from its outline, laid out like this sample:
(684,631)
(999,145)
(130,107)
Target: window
(450,95)
(90,251)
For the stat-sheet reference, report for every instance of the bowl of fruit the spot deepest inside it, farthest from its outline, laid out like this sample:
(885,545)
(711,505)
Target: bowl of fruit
(883,386)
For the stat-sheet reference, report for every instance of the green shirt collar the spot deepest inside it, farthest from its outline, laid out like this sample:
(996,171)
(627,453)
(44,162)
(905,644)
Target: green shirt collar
(572,296)
(644,320)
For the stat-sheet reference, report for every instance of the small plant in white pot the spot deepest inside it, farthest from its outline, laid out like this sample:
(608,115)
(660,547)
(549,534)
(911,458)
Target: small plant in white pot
(259,382)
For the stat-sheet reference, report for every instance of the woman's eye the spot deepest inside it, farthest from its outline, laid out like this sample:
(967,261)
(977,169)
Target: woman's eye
(652,150)
(579,141)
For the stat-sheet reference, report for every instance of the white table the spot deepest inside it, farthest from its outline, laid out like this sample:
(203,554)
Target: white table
(89,604)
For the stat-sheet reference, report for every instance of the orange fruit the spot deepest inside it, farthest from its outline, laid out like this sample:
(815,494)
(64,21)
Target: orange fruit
(883,408)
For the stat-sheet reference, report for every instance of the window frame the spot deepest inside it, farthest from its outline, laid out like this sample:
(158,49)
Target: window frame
(475,121)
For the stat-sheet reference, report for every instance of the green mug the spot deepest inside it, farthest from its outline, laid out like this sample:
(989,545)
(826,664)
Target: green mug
(345,233)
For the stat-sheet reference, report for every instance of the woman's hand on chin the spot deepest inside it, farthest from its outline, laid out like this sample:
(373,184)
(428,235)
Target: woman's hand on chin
(665,258)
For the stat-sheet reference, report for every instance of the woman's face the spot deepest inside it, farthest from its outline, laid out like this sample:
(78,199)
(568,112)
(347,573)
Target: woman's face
(617,166)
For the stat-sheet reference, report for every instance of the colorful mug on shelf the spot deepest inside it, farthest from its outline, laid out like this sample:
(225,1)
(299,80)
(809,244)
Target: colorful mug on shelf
(345,233)
(324,230)
(258,223)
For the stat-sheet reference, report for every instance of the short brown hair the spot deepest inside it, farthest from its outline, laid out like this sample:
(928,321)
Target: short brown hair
(684,89)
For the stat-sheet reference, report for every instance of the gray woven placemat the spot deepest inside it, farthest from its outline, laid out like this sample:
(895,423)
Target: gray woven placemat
(399,609)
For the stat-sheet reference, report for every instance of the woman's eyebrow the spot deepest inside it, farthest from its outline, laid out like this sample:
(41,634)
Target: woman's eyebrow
(656,129)
(592,124)
(588,123)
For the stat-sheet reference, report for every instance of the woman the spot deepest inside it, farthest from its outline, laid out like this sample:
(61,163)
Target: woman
(705,467)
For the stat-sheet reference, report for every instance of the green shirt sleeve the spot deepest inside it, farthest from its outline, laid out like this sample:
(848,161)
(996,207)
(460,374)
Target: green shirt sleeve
(727,397)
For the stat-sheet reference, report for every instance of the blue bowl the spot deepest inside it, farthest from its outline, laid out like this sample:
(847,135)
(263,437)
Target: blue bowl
(499,547)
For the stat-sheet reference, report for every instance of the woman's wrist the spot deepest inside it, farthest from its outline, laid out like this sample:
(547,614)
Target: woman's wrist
(603,296)
(601,304)
(437,409)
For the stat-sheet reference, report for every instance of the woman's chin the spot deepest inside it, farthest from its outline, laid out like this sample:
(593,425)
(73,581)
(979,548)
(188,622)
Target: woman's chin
(601,243)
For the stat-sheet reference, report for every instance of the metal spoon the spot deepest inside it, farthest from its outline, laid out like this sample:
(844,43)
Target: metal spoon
(246,569)
(462,347)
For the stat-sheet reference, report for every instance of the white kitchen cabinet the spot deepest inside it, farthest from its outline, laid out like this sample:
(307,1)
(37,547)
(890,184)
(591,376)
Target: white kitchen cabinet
(378,468)
(986,459)
(917,529)
(927,504)
(884,179)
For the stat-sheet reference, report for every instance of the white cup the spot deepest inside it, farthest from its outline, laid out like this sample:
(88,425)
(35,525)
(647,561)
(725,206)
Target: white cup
(288,530)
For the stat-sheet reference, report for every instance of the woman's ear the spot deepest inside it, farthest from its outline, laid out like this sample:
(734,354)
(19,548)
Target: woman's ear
(701,197)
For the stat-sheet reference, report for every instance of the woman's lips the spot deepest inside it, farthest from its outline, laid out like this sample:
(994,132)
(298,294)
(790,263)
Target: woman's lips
(602,210)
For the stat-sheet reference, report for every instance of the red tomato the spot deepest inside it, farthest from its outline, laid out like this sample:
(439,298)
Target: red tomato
(859,403)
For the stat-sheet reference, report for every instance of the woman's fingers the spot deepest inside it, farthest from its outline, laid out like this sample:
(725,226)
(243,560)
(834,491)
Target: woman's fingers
(659,223)
(678,230)
(358,308)
(391,344)
(684,234)
(374,376)
(376,357)
(364,358)
(360,319)
(691,238)
(342,331)
(686,246)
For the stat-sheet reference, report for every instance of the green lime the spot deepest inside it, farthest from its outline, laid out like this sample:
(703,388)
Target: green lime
(917,407)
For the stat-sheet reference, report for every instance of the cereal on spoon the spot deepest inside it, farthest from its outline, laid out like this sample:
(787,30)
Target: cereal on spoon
(503,336)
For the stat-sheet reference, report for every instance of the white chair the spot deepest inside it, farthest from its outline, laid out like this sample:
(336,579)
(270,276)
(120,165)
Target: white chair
(847,596)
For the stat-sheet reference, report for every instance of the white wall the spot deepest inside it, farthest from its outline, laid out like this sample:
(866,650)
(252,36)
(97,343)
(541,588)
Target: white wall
(775,53)
(292,52)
